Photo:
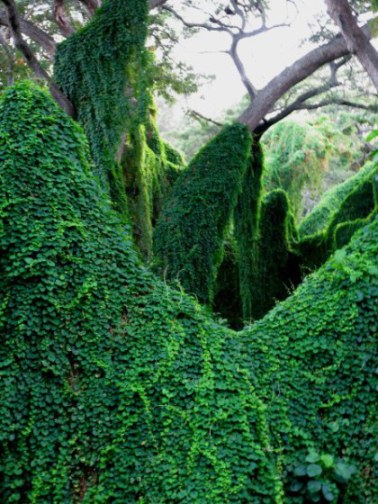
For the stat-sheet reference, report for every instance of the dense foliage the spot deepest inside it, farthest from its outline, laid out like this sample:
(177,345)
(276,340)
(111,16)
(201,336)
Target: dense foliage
(296,157)
(190,233)
(116,388)
(102,68)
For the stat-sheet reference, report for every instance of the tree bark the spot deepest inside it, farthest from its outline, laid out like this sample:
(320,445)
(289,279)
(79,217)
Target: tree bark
(356,40)
(297,72)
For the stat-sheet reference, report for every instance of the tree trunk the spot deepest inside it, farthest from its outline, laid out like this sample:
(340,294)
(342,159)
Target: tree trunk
(356,40)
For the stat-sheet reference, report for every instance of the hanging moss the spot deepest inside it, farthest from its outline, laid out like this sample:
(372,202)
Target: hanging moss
(116,388)
(102,70)
(190,233)
(296,157)
(247,228)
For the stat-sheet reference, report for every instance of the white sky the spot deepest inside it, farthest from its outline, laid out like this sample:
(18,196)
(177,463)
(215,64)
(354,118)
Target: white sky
(263,56)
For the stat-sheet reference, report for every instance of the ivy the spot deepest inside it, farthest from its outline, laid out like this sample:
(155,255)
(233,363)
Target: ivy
(189,235)
(103,70)
(116,388)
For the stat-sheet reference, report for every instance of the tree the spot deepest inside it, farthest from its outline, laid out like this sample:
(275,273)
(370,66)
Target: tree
(116,387)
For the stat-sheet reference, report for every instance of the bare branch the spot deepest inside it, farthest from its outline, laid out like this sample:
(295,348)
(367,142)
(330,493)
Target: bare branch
(33,32)
(206,26)
(297,72)
(61,19)
(31,60)
(233,52)
(157,3)
(355,39)
(197,115)
(240,13)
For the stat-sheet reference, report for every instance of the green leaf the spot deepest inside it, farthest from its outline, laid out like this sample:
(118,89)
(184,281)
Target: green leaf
(314,486)
(312,458)
(327,460)
(300,470)
(327,492)
(314,470)
(296,486)
(343,471)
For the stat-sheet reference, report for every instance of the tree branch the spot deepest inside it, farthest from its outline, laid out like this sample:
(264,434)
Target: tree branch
(61,19)
(356,40)
(33,32)
(300,102)
(297,72)
(206,26)
(31,60)
(91,5)
(156,3)
(233,52)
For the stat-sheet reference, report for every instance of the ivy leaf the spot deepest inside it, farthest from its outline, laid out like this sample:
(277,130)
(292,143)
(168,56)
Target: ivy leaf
(314,470)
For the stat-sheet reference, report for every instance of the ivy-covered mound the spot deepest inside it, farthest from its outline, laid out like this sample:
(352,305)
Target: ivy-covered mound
(314,361)
(189,237)
(320,218)
(102,68)
(116,388)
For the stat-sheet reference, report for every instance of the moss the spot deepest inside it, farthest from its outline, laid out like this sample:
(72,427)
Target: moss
(189,235)
(117,388)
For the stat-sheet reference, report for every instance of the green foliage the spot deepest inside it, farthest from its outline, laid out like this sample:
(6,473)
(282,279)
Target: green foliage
(116,388)
(227,299)
(247,215)
(320,478)
(295,157)
(314,357)
(190,233)
(277,270)
(102,69)
(346,208)
(151,167)
(319,219)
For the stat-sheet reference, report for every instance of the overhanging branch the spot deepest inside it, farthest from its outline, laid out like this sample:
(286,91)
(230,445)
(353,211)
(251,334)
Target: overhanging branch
(297,72)
(31,60)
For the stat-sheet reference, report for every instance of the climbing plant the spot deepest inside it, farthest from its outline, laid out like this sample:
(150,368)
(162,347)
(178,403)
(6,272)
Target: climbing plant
(189,237)
(103,70)
(116,388)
